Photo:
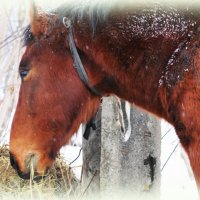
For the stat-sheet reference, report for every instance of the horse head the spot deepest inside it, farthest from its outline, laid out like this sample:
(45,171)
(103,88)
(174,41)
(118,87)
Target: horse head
(53,101)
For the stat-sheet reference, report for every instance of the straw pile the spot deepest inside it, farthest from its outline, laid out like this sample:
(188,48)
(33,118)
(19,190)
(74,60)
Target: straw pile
(60,183)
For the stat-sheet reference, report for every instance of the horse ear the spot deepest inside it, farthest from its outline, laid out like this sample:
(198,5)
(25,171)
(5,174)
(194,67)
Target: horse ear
(39,20)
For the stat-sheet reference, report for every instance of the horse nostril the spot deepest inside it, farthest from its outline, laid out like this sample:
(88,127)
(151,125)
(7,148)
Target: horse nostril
(13,162)
(15,165)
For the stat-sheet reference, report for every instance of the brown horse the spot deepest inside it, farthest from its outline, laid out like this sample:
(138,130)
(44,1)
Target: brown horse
(149,56)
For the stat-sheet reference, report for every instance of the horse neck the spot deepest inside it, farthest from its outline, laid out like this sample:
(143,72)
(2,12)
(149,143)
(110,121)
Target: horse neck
(130,67)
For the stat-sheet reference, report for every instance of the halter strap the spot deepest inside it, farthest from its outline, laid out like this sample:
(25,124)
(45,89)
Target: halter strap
(77,61)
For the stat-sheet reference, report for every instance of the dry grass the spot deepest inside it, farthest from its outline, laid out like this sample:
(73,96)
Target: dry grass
(59,184)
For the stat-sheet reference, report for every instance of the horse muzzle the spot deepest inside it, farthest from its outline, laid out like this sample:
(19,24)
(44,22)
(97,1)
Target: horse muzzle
(30,167)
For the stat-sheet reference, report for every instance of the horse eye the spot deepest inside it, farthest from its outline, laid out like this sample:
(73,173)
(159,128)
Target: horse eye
(23,73)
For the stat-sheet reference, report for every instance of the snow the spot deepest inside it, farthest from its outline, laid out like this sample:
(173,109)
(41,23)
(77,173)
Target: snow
(177,177)
(70,153)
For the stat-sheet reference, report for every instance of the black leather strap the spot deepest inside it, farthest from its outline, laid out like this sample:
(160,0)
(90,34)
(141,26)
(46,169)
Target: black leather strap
(77,61)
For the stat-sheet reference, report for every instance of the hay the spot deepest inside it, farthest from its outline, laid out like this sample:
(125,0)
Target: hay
(60,182)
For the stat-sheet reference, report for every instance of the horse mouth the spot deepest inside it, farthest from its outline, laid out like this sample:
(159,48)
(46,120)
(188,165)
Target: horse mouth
(28,176)
(30,172)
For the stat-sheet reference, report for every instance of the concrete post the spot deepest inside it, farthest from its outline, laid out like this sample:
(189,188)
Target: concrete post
(92,157)
(129,151)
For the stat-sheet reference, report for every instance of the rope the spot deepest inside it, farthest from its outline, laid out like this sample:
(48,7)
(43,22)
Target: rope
(166,133)
(169,157)
(76,157)
(89,184)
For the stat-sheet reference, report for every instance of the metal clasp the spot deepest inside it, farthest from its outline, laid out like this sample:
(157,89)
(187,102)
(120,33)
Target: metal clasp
(67,22)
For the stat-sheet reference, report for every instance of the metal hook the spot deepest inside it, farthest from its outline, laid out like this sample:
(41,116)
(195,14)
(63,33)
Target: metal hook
(67,22)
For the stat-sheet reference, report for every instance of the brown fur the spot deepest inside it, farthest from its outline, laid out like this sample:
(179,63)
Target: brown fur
(121,61)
